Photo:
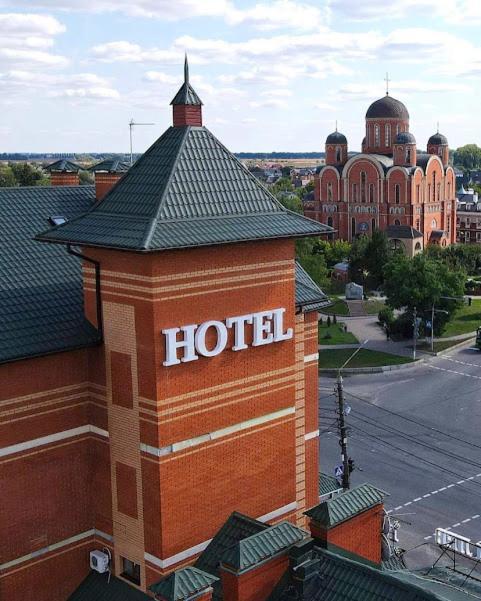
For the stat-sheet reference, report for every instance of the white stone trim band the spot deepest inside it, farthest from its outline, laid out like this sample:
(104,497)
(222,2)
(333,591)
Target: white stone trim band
(191,442)
(55,546)
(178,557)
(43,440)
(310,435)
(313,357)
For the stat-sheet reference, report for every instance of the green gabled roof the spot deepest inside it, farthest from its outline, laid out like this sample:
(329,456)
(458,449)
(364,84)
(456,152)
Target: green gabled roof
(328,484)
(308,294)
(255,549)
(63,166)
(187,190)
(111,166)
(237,527)
(97,587)
(346,505)
(41,295)
(182,584)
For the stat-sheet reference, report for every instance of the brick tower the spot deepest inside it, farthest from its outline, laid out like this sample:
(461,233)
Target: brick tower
(210,350)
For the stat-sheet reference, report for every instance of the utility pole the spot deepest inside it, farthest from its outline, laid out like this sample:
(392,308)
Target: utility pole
(415,333)
(432,329)
(132,124)
(343,433)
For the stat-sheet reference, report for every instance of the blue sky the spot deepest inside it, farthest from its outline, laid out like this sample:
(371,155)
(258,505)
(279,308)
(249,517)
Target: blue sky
(273,75)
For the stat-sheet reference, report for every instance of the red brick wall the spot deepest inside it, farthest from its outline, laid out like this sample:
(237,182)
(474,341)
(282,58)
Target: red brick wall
(256,584)
(187,115)
(360,535)
(105,182)
(121,374)
(64,179)
(126,489)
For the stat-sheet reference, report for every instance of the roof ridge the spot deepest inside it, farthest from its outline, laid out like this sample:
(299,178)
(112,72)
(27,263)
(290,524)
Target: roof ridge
(154,220)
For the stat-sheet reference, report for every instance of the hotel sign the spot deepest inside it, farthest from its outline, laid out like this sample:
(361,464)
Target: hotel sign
(267,328)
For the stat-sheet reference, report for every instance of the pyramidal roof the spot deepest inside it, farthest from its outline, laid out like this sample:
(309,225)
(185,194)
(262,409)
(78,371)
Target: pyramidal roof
(187,190)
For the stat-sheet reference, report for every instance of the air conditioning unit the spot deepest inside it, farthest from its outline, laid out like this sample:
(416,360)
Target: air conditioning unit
(99,561)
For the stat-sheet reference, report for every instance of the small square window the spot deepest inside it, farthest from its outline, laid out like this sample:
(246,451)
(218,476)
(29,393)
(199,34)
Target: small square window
(130,571)
(57,220)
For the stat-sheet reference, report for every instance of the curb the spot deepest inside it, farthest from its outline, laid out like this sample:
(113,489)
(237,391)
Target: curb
(369,370)
(451,348)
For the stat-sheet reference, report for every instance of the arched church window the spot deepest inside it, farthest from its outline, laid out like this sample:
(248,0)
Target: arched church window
(329,191)
(440,151)
(408,155)
(373,224)
(439,192)
(397,129)
(363,186)
(354,192)
(434,185)
(377,141)
(387,134)
(329,221)
(434,224)
(353,227)
(397,193)
(371,192)
(397,222)
(338,154)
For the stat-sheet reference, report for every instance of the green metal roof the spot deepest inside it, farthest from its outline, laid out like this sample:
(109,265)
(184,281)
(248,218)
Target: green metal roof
(186,93)
(236,528)
(308,294)
(346,505)
(327,484)
(41,297)
(182,584)
(96,587)
(63,166)
(257,548)
(187,190)
(111,166)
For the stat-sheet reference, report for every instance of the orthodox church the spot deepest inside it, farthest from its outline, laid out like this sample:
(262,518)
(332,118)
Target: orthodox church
(390,185)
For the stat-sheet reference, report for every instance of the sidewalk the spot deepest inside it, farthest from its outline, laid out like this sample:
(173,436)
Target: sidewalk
(368,329)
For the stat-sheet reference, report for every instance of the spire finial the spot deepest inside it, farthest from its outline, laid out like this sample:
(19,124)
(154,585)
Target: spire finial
(336,124)
(186,70)
(437,127)
(387,80)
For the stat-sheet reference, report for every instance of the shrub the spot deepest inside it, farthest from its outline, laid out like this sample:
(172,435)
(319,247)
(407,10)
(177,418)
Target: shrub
(386,316)
(334,319)
(328,321)
(327,336)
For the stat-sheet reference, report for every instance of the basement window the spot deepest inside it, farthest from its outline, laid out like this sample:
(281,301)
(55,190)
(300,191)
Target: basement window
(57,220)
(130,571)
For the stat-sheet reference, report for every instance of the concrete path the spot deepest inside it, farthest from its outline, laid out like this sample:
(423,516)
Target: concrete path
(356,308)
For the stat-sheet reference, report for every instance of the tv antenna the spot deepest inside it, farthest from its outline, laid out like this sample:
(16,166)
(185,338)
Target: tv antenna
(133,124)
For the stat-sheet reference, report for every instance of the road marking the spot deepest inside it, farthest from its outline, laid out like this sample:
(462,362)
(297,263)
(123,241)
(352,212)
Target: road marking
(461,362)
(457,524)
(452,371)
(434,492)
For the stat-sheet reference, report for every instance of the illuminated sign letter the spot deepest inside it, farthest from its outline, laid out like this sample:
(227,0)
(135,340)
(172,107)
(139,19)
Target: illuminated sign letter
(172,344)
(262,328)
(239,323)
(221,343)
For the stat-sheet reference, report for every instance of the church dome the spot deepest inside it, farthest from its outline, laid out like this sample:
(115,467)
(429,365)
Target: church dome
(387,108)
(336,138)
(405,137)
(438,139)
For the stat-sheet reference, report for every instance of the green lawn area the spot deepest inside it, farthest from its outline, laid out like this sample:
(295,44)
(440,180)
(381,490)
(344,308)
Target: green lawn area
(333,358)
(373,306)
(467,319)
(339,307)
(336,334)
(440,345)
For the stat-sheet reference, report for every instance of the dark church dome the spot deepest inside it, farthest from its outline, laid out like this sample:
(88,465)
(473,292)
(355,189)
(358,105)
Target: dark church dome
(438,139)
(336,138)
(387,108)
(405,137)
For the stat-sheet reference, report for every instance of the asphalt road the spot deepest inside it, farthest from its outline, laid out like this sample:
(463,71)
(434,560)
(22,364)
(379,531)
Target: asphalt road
(429,463)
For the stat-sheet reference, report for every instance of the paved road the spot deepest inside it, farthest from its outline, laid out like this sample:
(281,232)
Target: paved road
(430,463)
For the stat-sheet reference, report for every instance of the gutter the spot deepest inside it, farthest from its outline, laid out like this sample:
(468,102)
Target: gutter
(98,297)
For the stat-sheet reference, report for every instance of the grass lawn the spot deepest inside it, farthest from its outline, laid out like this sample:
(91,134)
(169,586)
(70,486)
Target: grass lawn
(440,345)
(372,307)
(466,320)
(339,307)
(336,333)
(333,358)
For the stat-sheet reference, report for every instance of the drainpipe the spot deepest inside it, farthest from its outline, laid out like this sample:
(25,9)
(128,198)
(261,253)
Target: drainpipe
(98,297)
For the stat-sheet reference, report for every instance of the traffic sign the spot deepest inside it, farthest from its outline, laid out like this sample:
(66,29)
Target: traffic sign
(338,471)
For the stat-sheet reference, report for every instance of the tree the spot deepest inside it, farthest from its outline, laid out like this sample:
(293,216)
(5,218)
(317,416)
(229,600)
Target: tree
(468,157)
(421,282)
(28,175)
(367,259)
(85,178)
(7,178)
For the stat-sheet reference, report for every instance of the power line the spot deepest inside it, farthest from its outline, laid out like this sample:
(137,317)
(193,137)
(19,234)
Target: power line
(418,423)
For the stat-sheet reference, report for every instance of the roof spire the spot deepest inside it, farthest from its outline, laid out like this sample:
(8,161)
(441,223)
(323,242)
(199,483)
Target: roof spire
(186,70)
(387,80)
(437,127)
(336,124)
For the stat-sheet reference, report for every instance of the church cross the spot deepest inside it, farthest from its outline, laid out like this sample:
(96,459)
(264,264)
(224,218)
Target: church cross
(387,80)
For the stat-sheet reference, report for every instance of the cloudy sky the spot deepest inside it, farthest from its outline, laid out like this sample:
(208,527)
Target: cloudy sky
(273,74)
